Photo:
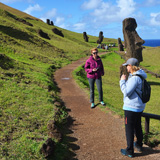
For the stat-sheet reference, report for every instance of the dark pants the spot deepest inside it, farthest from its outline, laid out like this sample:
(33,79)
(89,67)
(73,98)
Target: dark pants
(99,87)
(133,126)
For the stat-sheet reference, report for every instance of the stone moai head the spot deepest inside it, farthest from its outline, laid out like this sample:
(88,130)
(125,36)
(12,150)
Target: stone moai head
(48,21)
(120,45)
(100,36)
(119,41)
(132,42)
(85,36)
(52,23)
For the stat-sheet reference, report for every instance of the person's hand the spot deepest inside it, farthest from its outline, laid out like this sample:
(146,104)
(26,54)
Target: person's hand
(95,69)
(123,77)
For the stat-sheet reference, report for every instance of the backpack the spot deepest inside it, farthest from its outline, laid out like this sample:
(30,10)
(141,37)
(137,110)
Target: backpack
(146,90)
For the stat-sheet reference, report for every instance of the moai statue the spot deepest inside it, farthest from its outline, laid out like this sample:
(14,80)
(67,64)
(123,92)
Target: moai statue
(43,34)
(132,42)
(52,23)
(99,41)
(48,21)
(120,45)
(58,32)
(85,36)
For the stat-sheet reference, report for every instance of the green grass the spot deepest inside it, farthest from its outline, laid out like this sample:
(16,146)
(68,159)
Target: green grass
(113,96)
(28,93)
(149,59)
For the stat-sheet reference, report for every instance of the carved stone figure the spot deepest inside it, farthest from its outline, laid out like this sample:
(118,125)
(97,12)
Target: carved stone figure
(85,36)
(132,42)
(43,34)
(120,45)
(48,21)
(58,32)
(52,23)
(99,41)
(23,21)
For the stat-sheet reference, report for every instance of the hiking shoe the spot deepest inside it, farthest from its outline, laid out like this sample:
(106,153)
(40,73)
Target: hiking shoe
(125,153)
(92,105)
(102,103)
(137,147)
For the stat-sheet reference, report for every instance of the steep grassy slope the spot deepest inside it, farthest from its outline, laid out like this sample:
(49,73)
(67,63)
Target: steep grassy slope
(16,12)
(29,97)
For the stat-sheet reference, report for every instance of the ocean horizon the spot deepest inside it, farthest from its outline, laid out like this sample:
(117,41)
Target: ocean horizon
(152,42)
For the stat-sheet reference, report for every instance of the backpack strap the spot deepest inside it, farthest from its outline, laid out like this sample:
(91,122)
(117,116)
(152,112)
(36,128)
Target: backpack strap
(142,80)
(138,76)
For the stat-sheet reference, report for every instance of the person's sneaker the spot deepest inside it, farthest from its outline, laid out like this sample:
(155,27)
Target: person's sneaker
(137,147)
(92,105)
(102,103)
(125,153)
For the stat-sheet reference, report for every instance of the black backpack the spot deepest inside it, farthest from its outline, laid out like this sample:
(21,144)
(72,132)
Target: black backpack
(146,90)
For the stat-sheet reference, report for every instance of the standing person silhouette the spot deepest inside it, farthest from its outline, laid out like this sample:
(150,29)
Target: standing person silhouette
(133,106)
(95,71)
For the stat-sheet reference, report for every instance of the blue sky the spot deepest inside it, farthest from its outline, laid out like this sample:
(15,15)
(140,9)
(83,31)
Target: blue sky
(93,16)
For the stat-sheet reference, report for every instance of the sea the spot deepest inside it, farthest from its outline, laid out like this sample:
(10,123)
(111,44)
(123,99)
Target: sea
(152,42)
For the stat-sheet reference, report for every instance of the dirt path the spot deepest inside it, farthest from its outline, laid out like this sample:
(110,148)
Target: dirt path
(94,135)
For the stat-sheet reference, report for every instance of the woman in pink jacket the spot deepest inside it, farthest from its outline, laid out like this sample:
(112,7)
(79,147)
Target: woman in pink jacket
(95,70)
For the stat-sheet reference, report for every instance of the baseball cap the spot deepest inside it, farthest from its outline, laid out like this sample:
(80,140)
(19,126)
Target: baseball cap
(131,61)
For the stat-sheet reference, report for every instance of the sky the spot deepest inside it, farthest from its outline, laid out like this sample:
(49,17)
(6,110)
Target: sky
(93,16)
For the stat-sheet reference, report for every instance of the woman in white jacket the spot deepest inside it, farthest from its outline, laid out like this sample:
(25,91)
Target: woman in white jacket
(133,106)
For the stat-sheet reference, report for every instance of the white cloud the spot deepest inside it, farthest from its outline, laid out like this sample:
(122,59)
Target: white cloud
(107,12)
(62,26)
(53,16)
(79,26)
(127,8)
(155,19)
(91,4)
(59,21)
(49,15)
(30,9)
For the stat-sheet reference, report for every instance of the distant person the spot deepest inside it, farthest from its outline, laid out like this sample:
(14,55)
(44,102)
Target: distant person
(106,47)
(99,46)
(133,106)
(113,45)
(95,71)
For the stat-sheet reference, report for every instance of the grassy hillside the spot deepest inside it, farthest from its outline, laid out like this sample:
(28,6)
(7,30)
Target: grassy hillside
(29,97)
(16,12)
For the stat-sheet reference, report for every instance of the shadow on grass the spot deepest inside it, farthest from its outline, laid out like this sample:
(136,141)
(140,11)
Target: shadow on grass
(72,146)
(98,105)
(154,83)
(16,33)
(65,149)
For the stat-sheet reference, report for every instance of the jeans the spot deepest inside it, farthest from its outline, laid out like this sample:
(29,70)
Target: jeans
(99,87)
(133,126)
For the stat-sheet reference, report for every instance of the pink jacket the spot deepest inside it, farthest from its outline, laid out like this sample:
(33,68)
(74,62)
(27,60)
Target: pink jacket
(90,64)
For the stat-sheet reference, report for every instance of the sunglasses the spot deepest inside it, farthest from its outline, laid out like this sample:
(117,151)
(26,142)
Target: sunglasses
(95,52)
